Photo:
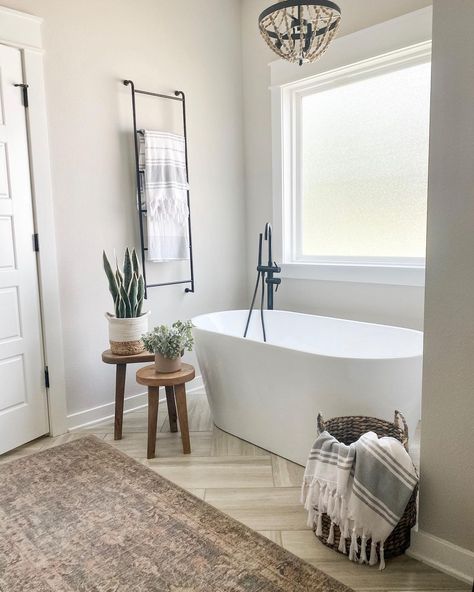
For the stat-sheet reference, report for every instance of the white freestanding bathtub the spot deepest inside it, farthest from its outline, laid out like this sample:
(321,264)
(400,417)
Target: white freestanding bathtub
(270,393)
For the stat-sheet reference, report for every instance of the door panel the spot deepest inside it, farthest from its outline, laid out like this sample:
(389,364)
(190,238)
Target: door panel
(4,191)
(23,404)
(9,314)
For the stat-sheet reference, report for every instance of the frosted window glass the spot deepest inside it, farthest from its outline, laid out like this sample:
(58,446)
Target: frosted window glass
(365,167)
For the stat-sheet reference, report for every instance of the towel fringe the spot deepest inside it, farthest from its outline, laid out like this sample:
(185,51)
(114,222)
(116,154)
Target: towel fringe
(347,533)
(373,553)
(319,526)
(337,506)
(342,545)
(330,540)
(382,557)
(354,548)
(303,494)
(363,550)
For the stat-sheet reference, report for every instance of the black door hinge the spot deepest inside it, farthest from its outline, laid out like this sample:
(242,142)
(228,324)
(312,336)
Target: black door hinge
(46,376)
(24,88)
(36,246)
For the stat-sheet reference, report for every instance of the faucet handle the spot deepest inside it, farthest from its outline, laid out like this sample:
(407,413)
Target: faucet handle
(276,268)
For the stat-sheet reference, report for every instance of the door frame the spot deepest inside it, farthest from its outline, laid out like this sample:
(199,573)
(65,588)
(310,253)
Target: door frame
(23,31)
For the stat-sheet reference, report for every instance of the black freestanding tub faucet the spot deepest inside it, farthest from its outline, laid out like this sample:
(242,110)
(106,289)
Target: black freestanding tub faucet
(267,274)
(270,269)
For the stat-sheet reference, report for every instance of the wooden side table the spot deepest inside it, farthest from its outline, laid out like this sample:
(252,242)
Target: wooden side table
(175,388)
(120,375)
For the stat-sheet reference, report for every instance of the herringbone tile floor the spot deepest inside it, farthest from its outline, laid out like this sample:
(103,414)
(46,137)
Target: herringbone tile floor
(254,486)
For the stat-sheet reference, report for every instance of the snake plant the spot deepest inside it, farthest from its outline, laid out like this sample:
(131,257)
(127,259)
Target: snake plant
(126,285)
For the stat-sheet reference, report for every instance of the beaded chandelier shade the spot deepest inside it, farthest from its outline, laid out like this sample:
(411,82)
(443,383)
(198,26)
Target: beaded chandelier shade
(300,31)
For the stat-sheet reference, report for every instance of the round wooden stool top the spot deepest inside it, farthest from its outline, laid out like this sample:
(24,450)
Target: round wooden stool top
(150,377)
(109,358)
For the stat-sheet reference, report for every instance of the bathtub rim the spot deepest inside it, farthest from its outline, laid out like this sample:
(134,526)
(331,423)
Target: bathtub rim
(304,351)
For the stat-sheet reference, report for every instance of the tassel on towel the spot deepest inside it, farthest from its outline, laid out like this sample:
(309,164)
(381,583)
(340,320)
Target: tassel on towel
(319,525)
(382,557)
(330,540)
(373,553)
(354,549)
(342,545)
(363,550)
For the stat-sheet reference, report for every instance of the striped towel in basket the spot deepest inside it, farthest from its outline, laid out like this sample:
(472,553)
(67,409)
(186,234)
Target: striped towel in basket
(326,482)
(364,488)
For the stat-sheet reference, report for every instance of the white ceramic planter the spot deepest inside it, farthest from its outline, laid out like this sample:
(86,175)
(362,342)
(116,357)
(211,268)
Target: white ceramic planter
(125,334)
(166,365)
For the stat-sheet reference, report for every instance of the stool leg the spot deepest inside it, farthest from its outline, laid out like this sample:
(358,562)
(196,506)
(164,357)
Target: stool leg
(120,375)
(180,393)
(153,400)
(171,408)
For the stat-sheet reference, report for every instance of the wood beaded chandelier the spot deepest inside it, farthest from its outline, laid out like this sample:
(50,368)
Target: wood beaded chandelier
(300,31)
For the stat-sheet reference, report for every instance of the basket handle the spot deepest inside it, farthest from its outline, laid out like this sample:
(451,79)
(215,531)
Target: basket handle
(399,420)
(321,426)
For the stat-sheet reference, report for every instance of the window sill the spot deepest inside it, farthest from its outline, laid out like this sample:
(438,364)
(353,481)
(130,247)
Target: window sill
(357,273)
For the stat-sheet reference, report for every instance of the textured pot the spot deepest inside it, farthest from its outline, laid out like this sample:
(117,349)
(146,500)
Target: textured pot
(125,334)
(166,365)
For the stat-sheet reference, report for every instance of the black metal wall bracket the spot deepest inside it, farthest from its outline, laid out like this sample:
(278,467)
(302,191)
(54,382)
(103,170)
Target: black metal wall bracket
(178,95)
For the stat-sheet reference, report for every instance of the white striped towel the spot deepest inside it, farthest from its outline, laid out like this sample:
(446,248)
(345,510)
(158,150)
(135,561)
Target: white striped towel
(162,159)
(384,480)
(364,488)
(326,481)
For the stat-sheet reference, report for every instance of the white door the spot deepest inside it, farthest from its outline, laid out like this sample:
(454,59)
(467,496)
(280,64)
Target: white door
(23,403)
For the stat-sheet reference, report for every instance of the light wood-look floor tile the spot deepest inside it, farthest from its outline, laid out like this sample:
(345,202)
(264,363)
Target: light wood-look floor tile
(167,444)
(224,444)
(41,444)
(286,473)
(199,414)
(212,472)
(257,488)
(401,573)
(273,535)
(268,508)
(197,492)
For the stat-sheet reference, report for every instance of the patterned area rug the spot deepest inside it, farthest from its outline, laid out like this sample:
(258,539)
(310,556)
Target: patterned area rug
(85,517)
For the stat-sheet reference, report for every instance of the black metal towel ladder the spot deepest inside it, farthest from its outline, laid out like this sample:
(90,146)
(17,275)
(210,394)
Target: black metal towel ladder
(177,96)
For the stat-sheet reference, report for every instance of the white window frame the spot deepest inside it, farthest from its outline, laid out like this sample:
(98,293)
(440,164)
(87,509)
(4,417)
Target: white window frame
(287,91)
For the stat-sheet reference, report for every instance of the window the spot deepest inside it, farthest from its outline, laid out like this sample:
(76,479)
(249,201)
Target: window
(354,158)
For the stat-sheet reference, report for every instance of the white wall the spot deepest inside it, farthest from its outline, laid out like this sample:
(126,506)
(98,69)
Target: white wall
(90,46)
(398,305)
(447,467)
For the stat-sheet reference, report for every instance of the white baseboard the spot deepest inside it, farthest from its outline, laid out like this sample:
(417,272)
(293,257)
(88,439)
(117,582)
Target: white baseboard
(443,555)
(101,413)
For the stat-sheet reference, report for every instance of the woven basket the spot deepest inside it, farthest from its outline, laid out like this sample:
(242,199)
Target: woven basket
(349,429)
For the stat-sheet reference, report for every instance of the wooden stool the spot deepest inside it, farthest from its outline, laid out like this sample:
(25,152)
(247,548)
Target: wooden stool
(120,374)
(174,384)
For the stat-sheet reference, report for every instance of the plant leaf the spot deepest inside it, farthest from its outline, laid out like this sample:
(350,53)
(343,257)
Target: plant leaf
(126,301)
(140,295)
(113,288)
(127,269)
(135,262)
(122,309)
(132,295)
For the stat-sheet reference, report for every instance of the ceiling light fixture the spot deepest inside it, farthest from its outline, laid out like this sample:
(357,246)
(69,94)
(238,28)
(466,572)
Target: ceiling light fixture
(300,31)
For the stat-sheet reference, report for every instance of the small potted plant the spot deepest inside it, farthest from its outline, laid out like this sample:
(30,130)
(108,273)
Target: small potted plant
(169,344)
(128,290)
